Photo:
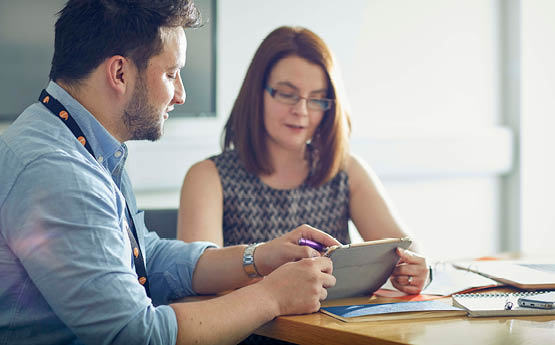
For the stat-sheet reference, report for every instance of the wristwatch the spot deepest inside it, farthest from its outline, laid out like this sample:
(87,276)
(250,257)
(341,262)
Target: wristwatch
(248,261)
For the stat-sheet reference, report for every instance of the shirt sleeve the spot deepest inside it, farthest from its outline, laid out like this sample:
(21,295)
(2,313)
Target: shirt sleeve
(170,264)
(170,267)
(64,224)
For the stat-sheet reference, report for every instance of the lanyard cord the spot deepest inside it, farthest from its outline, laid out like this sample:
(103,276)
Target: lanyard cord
(58,110)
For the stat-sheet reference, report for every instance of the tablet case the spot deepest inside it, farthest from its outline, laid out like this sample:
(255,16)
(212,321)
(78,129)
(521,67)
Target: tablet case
(362,268)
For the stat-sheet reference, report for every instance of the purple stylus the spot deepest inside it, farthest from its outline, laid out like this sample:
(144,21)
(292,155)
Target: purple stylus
(315,245)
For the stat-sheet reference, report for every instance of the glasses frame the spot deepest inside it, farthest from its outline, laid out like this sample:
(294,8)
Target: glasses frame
(311,103)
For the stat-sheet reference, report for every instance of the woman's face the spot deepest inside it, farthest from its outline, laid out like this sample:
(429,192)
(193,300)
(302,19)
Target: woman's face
(291,125)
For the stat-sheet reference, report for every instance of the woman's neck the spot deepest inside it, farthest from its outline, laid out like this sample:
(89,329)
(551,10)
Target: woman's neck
(290,168)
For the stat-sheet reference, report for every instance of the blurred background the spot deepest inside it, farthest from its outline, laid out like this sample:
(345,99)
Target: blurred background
(452,104)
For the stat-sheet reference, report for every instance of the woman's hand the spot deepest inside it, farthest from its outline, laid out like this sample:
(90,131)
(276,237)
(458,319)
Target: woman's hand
(411,273)
(286,248)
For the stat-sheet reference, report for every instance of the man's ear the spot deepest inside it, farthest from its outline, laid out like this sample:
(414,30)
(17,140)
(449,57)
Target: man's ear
(118,73)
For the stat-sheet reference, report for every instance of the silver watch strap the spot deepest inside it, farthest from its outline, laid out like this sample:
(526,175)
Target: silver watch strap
(248,261)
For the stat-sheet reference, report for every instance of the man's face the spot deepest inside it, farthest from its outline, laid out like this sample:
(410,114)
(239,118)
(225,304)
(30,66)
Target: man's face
(157,88)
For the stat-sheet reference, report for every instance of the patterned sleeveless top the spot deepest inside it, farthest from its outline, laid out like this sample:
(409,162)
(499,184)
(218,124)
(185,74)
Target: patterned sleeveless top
(255,212)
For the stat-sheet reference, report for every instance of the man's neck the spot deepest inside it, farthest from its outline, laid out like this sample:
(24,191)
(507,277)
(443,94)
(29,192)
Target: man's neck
(97,106)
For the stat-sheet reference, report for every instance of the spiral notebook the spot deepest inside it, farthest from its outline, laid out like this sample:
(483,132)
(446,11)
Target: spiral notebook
(493,304)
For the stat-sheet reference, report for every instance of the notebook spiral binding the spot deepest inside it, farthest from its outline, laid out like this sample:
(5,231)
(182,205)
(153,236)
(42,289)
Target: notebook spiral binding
(501,294)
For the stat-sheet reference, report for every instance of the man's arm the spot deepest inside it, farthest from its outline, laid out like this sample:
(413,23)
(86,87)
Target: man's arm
(221,269)
(230,318)
(67,233)
(286,266)
(64,222)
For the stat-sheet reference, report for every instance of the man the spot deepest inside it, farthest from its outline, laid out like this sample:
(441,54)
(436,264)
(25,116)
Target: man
(78,265)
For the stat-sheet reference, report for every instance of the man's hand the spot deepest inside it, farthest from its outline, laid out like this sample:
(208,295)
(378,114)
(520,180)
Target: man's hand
(293,288)
(298,287)
(285,248)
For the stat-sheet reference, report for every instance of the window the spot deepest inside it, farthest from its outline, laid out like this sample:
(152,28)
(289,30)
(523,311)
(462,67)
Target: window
(27,46)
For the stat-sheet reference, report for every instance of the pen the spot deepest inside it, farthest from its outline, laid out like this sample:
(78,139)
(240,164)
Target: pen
(315,245)
(508,304)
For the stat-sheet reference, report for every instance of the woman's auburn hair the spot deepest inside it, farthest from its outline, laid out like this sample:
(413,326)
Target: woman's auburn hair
(244,130)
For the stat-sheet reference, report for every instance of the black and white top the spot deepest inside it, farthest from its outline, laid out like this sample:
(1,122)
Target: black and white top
(255,212)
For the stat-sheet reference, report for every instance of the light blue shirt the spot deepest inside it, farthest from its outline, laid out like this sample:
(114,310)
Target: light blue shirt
(66,268)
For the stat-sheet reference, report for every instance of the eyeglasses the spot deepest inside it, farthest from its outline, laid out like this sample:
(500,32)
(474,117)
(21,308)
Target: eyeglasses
(319,104)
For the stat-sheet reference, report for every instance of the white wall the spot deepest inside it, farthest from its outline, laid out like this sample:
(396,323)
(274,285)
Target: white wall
(423,81)
(538,123)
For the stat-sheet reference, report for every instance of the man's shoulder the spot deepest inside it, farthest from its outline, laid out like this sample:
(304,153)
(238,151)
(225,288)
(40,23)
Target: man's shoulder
(34,133)
(36,145)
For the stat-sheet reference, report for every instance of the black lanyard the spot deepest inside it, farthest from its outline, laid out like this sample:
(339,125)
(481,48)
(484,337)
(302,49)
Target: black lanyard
(62,113)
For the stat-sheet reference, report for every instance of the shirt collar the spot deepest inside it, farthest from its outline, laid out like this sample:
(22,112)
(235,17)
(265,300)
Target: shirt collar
(108,150)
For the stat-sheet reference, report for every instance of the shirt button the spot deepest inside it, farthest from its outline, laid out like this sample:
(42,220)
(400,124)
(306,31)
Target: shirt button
(117,154)
(136,252)
(100,159)
(142,280)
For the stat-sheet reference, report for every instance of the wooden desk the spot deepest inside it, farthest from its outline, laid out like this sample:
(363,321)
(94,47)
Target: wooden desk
(318,328)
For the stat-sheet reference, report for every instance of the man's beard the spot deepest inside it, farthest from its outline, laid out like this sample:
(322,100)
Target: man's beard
(141,118)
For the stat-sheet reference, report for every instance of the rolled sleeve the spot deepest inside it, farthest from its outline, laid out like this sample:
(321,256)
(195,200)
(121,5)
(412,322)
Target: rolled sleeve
(171,265)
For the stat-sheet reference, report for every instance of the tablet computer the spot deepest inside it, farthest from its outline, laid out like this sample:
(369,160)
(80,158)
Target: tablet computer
(362,268)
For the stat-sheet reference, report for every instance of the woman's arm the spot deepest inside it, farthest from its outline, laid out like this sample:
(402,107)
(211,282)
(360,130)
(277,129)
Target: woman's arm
(201,205)
(375,218)
(371,212)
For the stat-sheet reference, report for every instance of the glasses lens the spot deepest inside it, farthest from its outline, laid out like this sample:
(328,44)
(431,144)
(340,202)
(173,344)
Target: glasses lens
(319,104)
(291,98)
(285,97)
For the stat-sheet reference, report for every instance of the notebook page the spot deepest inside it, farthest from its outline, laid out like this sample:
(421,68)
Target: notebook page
(493,304)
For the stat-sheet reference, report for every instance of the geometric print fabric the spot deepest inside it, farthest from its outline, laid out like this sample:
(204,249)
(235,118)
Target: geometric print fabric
(254,212)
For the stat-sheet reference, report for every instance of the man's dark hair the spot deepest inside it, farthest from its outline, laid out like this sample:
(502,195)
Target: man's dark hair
(90,31)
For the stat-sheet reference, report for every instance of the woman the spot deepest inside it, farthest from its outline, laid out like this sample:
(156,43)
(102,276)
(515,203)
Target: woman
(286,161)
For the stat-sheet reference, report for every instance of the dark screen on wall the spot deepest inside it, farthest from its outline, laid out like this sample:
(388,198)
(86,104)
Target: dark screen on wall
(27,46)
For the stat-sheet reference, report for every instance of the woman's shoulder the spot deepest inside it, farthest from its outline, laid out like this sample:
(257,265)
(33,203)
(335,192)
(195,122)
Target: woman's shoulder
(228,158)
(230,168)
(358,171)
(351,166)
(353,163)
(202,170)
